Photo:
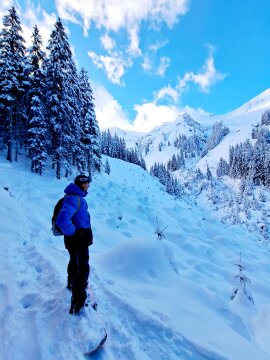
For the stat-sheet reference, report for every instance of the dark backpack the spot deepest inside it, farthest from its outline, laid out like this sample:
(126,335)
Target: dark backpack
(55,228)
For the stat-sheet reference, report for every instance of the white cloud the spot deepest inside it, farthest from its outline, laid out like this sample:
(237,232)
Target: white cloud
(4,6)
(134,48)
(108,110)
(115,15)
(208,76)
(114,65)
(118,14)
(167,92)
(111,114)
(158,45)
(31,16)
(149,66)
(149,57)
(107,42)
(163,65)
(150,115)
(147,63)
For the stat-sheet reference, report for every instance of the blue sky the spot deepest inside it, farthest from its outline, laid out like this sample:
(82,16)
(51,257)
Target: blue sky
(148,59)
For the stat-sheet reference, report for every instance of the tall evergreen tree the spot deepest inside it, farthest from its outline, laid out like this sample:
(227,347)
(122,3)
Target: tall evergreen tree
(13,83)
(266,118)
(223,168)
(37,129)
(208,173)
(89,125)
(62,100)
(257,166)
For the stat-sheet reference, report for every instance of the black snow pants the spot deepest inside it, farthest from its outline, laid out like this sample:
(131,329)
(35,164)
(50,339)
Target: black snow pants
(78,267)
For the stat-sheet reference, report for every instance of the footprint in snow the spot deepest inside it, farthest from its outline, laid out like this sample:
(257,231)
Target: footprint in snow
(30,300)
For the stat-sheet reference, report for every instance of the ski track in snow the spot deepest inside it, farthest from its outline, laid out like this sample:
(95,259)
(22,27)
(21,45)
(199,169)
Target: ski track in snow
(153,338)
(42,303)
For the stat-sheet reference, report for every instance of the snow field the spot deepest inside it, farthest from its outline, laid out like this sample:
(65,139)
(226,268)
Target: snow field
(159,299)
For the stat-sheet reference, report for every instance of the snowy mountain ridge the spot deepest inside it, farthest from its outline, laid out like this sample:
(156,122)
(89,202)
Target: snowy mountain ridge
(239,121)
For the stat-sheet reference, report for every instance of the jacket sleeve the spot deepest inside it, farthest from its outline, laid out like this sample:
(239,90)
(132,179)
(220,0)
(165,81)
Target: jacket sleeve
(69,208)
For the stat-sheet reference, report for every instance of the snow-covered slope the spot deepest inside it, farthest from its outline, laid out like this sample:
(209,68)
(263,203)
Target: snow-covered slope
(239,121)
(159,299)
(165,135)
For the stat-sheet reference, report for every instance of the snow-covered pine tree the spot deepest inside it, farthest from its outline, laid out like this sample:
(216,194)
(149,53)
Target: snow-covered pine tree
(180,160)
(257,168)
(132,156)
(115,146)
(153,170)
(38,136)
(142,163)
(62,96)
(177,188)
(208,173)
(234,158)
(267,168)
(223,168)
(37,128)
(13,83)
(174,166)
(122,150)
(266,117)
(107,168)
(91,137)
(198,174)
(106,142)
(147,148)
(170,185)
(247,157)
(262,196)
(254,133)
(219,131)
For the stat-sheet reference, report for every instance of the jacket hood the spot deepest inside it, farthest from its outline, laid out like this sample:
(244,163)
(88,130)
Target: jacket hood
(73,189)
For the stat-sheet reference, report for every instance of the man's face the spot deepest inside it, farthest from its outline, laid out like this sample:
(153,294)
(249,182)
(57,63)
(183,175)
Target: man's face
(85,186)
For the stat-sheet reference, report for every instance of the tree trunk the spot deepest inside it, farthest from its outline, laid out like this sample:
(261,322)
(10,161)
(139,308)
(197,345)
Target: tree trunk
(9,151)
(16,152)
(58,169)
(10,140)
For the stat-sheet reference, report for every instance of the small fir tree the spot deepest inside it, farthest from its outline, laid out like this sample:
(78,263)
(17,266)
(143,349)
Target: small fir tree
(243,281)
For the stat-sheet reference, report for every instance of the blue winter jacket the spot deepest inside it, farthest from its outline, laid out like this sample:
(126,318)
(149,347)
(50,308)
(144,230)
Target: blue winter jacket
(72,217)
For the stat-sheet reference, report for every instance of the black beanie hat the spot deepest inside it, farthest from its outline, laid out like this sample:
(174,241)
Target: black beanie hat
(81,179)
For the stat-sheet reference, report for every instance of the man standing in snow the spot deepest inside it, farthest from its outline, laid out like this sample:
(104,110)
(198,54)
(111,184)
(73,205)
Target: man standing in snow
(74,221)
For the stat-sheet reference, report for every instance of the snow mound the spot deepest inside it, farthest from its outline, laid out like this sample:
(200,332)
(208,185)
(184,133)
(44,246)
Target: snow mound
(138,260)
